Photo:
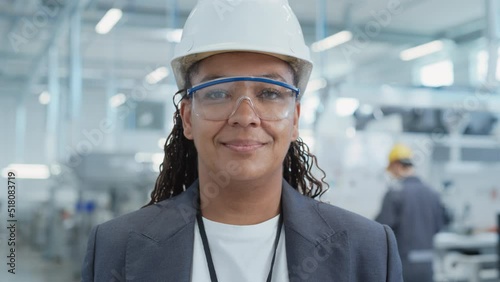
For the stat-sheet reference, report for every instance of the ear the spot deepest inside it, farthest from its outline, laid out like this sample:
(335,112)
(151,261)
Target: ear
(185,112)
(296,115)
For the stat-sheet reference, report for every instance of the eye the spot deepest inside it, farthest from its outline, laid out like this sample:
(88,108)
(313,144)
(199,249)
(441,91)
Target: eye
(214,95)
(271,94)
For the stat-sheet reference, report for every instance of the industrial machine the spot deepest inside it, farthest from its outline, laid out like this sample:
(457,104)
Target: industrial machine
(467,258)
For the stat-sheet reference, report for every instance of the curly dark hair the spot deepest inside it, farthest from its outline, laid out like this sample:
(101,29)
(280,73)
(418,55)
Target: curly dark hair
(179,168)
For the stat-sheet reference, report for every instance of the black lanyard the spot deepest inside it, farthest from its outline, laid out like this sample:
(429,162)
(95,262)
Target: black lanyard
(208,255)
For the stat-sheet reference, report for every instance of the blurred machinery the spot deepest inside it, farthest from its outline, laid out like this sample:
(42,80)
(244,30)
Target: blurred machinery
(110,184)
(86,191)
(468,258)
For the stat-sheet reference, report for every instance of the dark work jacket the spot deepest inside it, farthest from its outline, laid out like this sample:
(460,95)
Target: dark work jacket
(415,213)
(323,243)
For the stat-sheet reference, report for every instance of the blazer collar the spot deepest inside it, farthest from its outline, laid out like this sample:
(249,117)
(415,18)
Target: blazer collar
(315,251)
(163,250)
(302,216)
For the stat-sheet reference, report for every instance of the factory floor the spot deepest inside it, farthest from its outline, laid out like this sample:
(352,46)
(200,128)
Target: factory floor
(31,266)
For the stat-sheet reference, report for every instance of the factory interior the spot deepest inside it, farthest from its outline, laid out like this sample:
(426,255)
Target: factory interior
(86,105)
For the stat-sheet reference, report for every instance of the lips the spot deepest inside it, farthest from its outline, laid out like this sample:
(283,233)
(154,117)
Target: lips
(243,145)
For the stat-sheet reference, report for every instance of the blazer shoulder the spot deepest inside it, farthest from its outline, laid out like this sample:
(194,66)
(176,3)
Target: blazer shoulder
(372,245)
(133,221)
(354,224)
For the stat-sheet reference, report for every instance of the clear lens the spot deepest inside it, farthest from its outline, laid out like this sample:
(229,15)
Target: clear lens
(271,100)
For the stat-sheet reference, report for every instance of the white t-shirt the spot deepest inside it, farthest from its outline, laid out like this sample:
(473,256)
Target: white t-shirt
(240,253)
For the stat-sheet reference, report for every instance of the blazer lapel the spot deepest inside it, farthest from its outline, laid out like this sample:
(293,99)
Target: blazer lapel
(315,252)
(163,250)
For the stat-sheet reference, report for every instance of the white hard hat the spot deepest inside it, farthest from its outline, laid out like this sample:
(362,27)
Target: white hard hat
(260,26)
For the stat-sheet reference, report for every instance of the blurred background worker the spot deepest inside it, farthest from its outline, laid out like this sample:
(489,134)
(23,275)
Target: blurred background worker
(415,213)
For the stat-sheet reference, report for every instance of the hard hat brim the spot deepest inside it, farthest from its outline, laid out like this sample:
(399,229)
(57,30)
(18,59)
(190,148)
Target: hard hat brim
(302,68)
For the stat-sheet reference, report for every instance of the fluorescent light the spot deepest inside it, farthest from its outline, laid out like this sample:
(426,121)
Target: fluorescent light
(44,98)
(27,171)
(157,75)
(437,74)
(482,65)
(109,20)
(331,41)
(421,50)
(315,85)
(346,106)
(174,35)
(117,100)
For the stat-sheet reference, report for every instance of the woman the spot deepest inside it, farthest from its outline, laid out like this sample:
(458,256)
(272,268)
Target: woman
(233,201)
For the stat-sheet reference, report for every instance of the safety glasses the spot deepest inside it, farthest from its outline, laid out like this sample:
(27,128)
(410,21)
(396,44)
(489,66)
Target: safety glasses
(219,99)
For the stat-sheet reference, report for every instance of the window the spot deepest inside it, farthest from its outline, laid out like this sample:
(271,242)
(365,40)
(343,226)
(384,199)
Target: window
(436,74)
(482,66)
(146,115)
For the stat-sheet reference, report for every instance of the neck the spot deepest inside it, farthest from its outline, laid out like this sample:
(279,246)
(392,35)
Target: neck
(240,202)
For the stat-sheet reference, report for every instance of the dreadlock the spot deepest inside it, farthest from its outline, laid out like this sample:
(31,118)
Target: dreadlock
(179,167)
(297,170)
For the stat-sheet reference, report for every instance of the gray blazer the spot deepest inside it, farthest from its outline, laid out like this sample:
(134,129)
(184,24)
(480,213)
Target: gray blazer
(323,243)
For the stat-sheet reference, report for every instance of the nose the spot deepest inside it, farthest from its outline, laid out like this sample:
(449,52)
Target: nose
(244,113)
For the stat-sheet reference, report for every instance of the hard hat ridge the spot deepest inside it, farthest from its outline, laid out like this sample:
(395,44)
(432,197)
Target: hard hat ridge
(260,26)
(402,153)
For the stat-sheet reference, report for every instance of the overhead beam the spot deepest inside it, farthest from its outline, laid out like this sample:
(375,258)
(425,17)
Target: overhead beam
(459,100)
(12,23)
(157,19)
(465,32)
(55,34)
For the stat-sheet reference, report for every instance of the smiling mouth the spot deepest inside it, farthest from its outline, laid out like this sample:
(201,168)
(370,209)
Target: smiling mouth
(243,147)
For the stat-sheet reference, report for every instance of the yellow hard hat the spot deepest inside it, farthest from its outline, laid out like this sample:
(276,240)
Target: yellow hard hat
(402,153)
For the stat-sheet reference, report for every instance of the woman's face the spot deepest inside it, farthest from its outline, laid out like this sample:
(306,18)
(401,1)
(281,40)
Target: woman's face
(255,147)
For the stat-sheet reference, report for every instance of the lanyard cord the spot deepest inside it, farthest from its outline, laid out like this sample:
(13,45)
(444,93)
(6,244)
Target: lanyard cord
(208,254)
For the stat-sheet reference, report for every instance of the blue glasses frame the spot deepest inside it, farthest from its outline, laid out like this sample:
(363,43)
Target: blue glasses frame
(193,89)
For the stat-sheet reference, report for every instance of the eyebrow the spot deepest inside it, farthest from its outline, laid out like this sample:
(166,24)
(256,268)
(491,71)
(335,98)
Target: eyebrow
(274,76)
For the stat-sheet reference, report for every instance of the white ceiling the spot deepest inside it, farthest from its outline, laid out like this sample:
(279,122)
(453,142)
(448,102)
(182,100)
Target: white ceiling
(138,42)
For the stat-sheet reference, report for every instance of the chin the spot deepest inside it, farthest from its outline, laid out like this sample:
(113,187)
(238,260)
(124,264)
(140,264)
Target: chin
(255,172)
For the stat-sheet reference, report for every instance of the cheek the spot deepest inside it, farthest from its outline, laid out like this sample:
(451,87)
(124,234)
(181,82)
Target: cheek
(198,133)
(201,139)
(282,131)
(205,131)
